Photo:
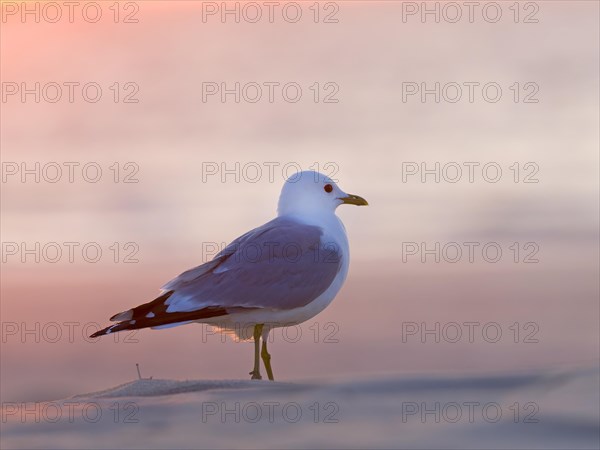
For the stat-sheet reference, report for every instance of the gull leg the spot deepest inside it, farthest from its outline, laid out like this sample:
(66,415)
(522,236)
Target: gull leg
(256,371)
(266,357)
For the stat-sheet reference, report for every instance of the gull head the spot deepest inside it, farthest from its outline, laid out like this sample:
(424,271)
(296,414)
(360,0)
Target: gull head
(312,192)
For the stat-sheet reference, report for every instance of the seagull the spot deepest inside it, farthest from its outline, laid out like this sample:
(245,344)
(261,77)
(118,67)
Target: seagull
(279,274)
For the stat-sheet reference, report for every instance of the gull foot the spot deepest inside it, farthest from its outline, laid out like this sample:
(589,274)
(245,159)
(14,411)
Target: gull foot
(255,375)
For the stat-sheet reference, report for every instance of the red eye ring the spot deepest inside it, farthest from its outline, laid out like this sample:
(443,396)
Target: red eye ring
(328,188)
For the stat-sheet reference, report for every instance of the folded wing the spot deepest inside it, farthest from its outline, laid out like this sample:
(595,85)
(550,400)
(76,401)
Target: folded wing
(281,265)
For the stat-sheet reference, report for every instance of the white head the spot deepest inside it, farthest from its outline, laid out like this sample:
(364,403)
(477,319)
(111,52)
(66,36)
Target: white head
(312,192)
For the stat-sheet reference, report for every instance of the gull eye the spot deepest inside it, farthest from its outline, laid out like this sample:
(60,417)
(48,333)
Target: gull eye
(328,188)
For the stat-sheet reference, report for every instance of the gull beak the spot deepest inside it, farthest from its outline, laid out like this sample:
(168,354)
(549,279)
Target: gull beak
(354,200)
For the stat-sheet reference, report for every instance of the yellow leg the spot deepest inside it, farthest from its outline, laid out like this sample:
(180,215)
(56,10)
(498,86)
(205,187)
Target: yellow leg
(267,360)
(256,371)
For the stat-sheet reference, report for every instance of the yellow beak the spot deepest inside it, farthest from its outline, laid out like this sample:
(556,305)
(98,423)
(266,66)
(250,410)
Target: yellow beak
(354,200)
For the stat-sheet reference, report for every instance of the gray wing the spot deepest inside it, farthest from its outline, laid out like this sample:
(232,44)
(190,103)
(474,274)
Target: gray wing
(280,265)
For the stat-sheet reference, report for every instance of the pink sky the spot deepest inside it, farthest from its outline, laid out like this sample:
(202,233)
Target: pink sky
(170,135)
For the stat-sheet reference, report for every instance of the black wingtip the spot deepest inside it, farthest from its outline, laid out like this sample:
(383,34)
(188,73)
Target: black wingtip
(104,331)
(97,334)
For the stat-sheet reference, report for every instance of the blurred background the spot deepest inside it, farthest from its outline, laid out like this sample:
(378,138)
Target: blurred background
(156,123)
